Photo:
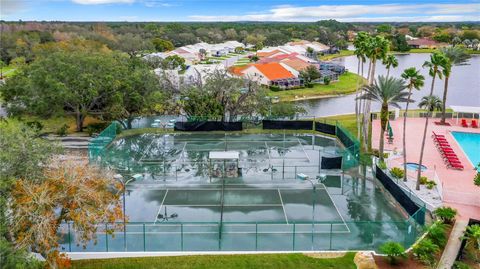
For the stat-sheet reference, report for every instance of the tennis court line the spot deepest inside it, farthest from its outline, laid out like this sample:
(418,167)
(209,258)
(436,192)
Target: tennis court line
(283,206)
(336,208)
(301,145)
(160,208)
(268,152)
(148,148)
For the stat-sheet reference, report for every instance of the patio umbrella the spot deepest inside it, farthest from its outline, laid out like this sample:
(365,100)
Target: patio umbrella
(390,131)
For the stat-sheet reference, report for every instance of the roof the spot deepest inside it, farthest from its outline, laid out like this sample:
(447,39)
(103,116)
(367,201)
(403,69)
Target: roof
(296,64)
(273,71)
(466,109)
(238,70)
(268,53)
(423,42)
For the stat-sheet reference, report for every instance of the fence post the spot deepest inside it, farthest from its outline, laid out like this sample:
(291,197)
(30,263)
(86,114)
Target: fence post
(106,237)
(69,238)
(256,236)
(293,239)
(144,242)
(331,231)
(181,236)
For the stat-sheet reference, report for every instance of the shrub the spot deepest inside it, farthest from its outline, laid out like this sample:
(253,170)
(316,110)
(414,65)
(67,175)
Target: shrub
(436,233)
(36,125)
(425,251)
(274,88)
(460,265)
(473,235)
(445,214)
(423,180)
(309,85)
(382,165)
(326,80)
(431,184)
(476,180)
(397,172)
(96,127)
(63,130)
(393,250)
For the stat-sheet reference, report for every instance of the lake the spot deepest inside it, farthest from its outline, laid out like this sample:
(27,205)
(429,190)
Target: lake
(464,85)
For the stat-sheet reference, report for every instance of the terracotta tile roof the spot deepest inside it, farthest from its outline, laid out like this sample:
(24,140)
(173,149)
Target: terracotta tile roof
(423,42)
(296,64)
(237,70)
(267,53)
(274,71)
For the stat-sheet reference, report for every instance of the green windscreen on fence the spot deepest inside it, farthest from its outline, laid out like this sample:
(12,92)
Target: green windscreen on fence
(351,154)
(96,147)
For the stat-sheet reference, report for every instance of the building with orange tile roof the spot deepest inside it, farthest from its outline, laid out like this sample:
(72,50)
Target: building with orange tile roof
(268,73)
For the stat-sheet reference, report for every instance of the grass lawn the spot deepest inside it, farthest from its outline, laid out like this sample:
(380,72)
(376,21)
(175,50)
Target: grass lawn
(264,261)
(342,53)
(346,84)
(8,71)
(51,125)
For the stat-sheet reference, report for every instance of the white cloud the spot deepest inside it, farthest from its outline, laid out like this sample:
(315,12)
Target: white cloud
(99,2)
(399,12)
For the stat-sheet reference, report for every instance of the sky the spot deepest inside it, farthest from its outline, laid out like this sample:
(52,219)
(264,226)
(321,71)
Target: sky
(240,10)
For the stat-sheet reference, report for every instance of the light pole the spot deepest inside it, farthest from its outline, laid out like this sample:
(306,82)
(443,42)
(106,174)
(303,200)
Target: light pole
(124,183)
(314,191)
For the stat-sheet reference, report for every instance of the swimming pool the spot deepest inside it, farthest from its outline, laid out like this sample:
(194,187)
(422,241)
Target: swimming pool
(415,166)
(470,143)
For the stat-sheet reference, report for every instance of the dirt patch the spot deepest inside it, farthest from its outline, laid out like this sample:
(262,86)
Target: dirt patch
(325,255)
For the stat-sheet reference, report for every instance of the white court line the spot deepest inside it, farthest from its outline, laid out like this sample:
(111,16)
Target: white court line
(160,208)
(148,148)
(336,208)
(268,152)
(173,188)
(301,145)
(283,206)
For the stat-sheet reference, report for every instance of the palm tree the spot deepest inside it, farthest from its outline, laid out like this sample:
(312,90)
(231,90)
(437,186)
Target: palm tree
(360,47)
(455,56)
(376,49)
(414,81)
(437,60)
(429,103)
(456,40)
(467,43)
(387,92)
(475,43)
(390,61)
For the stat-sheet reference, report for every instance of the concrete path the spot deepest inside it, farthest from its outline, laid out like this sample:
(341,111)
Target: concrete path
(76,141)
(453,245)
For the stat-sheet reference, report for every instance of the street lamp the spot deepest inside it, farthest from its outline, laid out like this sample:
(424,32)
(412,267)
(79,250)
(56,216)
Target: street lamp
(314,192)
(124,183)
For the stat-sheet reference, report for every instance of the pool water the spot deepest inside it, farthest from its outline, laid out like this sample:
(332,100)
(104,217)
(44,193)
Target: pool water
(414,166)
(470,144)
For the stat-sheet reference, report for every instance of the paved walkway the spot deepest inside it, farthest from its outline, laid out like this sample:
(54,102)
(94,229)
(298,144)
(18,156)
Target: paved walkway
(457,186)
(453,246)
(76,141)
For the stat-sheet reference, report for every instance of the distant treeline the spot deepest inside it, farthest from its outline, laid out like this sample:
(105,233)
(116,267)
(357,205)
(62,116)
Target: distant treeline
(19,38)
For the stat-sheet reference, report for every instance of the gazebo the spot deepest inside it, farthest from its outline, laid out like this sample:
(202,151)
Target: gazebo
(466,112)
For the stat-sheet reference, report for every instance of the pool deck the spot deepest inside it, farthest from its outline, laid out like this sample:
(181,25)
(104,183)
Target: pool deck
(457,185)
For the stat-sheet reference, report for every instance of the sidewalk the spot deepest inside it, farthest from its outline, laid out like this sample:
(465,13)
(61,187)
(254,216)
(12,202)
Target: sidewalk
(453,245)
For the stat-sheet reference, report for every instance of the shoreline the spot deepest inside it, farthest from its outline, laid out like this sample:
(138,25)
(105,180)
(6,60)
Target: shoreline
(317,97)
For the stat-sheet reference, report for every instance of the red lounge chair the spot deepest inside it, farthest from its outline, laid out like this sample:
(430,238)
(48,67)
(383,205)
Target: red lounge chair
(474,124)
(456,166)
(448,150)
(464,123)
(439,138)
(437,135)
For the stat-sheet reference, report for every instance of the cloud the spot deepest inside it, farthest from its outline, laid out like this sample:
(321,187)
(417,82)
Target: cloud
(99,2)
(11,6)
(398,12)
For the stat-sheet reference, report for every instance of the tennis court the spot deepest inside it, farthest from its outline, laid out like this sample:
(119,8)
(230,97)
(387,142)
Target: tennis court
(215,191)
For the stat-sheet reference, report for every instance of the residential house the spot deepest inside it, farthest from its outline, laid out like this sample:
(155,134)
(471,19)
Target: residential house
(271,74)
(424,43)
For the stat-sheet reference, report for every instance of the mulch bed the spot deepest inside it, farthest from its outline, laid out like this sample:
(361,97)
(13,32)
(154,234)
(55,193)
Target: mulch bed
(409,263)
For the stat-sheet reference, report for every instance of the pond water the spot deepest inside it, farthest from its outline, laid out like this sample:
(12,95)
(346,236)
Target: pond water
(464,85)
